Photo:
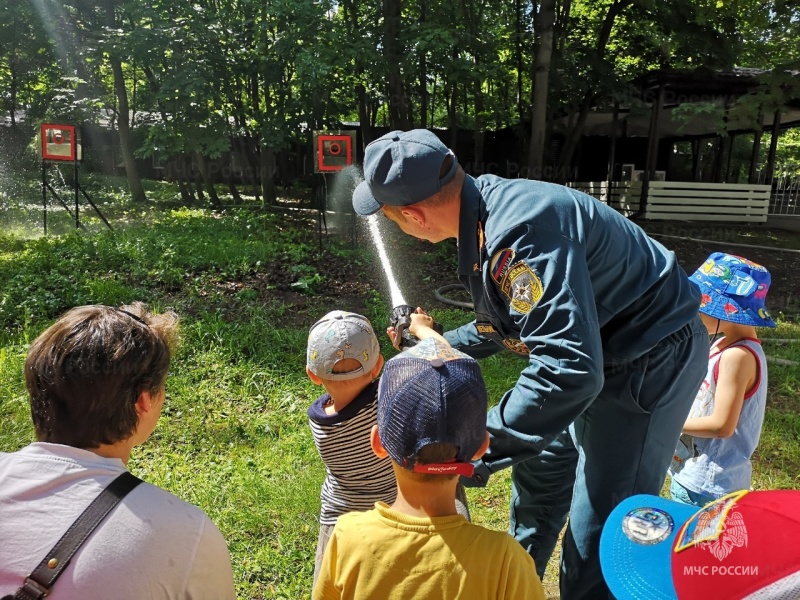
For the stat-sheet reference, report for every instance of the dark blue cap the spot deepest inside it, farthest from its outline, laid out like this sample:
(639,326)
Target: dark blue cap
(430,394)
(402,168)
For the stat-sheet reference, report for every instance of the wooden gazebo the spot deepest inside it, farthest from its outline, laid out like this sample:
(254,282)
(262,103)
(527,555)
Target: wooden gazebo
(639,134)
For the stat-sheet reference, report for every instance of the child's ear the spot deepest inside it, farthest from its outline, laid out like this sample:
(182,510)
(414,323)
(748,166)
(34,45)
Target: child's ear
(376,370)
(144,403)
(375,442)
(316,380)
(482,450)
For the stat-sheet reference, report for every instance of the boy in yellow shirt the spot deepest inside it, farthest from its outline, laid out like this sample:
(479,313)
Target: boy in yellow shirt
(432,406)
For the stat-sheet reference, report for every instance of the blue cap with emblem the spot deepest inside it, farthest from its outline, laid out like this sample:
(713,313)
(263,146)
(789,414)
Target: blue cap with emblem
(402,168)
(636,544)
(432,394)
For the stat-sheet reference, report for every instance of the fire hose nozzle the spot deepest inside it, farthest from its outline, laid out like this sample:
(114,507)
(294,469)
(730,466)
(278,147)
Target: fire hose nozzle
(400,319)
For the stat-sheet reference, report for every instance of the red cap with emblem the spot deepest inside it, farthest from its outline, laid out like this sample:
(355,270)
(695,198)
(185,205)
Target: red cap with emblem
(743,546)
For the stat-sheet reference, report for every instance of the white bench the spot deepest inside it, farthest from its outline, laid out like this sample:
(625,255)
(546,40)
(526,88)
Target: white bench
(685,200)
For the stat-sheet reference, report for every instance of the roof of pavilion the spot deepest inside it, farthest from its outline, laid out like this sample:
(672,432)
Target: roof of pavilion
(709,91)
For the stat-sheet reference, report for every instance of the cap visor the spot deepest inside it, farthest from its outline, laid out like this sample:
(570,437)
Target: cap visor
(636,547)
(364,202)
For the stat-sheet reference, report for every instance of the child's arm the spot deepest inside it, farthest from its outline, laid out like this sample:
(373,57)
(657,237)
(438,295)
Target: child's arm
(738,371)
(421,326)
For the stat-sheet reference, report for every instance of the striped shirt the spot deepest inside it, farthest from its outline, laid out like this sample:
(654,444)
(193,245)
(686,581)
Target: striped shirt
(356,478)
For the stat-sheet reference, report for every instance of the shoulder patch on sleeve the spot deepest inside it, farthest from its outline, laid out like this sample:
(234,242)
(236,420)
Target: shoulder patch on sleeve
(516,346)
(523,287)
(499,264)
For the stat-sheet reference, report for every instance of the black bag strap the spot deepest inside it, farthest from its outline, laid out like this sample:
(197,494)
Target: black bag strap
(37,585)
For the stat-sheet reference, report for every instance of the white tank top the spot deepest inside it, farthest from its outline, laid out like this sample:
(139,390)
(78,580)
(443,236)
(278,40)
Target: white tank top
(722,465)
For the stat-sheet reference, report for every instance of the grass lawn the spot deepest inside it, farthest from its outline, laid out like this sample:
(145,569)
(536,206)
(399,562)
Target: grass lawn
(233,437)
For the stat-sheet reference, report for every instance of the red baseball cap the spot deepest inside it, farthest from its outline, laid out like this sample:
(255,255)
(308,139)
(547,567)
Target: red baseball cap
(745,545)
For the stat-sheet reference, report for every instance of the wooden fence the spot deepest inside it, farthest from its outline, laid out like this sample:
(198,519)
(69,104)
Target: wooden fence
(685,201)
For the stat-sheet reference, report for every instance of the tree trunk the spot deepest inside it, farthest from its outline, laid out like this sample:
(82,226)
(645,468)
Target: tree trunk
(541,82)
(519,40)
(452,120)
(124,129)
(363,116)
(232,187)
(13,95)
(202,166)
(392,50)
(248,166)
(423,73)
(480,128)
(267,168)
(196,178)
(583,112)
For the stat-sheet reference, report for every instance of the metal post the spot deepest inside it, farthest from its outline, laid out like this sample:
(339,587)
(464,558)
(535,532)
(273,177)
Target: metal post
(751,176)
(725,144)
(44,195)
(717,165)
(773,147)
(652,149)
(75,185)
(731,142)
(697,148)
(612,151)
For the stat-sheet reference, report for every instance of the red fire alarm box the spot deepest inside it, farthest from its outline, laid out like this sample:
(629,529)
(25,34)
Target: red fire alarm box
(333,150)
(59,142)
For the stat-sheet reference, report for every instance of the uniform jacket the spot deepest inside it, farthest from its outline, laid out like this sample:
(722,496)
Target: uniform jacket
(570,285)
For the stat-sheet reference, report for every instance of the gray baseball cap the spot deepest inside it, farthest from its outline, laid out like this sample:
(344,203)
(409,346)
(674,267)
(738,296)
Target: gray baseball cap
(339,335)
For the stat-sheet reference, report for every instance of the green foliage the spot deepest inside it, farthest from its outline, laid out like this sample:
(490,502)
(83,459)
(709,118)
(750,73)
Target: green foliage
(43,277)
(200,75)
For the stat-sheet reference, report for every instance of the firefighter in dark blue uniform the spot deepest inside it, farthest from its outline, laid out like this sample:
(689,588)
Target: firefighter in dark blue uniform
(603,315)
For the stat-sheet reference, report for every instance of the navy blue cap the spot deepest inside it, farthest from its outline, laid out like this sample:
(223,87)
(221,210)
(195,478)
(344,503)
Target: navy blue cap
(402,168)
(430,394)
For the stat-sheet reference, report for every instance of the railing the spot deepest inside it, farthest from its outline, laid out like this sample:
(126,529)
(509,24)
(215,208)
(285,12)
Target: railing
(686,201)
(785,198)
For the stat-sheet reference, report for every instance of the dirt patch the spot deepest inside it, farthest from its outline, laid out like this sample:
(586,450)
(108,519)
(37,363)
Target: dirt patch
(330,279)
(421,268)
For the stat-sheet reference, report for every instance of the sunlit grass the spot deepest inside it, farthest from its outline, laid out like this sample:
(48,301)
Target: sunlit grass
(233,437)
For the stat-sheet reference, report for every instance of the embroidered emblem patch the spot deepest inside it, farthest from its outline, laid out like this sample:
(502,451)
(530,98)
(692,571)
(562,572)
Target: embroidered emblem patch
(523,287)
(516,346)
(485,329)
(500,263)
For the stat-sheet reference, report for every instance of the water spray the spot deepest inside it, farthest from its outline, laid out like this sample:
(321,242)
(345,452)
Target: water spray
(400,317)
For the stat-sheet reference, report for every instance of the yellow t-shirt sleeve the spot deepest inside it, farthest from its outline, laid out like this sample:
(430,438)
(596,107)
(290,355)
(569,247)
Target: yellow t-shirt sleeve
(521,580)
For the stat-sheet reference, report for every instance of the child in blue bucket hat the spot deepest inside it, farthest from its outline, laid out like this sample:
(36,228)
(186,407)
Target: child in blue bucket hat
(724,423)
